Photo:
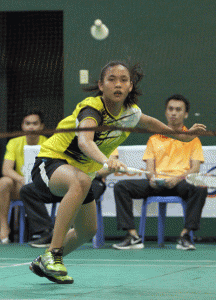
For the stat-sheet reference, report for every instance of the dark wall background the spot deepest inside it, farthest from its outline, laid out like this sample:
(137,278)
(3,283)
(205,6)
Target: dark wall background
(174,40)
(32,61)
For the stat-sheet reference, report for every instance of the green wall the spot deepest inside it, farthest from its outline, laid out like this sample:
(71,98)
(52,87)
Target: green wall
(175,41)
(173,227)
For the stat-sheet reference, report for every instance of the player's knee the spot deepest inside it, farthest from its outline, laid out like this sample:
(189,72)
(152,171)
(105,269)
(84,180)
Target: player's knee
(90,233)
(6,182)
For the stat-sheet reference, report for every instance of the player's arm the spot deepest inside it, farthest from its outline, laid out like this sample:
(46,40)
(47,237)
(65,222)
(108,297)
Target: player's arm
(154,125)
(102,173)
(8,170)
(89,148)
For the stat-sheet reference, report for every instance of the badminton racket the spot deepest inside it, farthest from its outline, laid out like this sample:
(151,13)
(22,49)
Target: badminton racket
(207,179)
(198,179)
(129,170)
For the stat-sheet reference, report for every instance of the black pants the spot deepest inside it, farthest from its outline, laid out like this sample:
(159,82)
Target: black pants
(126,190)
(34,201)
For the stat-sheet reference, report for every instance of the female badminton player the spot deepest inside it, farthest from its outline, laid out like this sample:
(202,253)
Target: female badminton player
(67,162)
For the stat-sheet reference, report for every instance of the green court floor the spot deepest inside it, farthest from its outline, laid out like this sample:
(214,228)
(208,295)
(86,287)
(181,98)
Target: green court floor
(150,273)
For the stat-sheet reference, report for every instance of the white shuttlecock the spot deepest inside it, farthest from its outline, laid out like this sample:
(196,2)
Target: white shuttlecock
(99,31)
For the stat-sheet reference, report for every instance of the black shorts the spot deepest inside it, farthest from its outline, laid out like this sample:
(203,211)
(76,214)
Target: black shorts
(42,172)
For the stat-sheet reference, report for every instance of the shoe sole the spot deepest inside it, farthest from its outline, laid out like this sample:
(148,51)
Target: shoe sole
(39,272)
(132,247)
(179,247)
(39,246)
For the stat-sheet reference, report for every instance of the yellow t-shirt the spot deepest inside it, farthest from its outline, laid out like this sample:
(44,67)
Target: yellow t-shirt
(171,156)
(65,145)
(15,151)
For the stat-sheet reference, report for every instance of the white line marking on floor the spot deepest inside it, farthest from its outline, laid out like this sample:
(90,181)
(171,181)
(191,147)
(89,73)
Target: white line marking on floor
(140,260)
(121,265)
(15,265)
(144,265)
(128,260)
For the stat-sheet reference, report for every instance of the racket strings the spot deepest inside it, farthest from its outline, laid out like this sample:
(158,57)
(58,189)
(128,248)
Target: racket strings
(207,180)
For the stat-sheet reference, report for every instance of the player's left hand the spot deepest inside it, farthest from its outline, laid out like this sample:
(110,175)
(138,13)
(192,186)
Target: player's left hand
(197,128)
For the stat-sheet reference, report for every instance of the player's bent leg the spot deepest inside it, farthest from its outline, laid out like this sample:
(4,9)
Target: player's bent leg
(73,185)
(85,228)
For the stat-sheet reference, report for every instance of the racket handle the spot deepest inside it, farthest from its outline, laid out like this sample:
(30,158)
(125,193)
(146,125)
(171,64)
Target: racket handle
(129,170)
(105,167)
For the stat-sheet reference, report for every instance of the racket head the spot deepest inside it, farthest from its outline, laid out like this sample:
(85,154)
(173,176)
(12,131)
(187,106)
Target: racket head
(212,171)
(195,179)
(207,179)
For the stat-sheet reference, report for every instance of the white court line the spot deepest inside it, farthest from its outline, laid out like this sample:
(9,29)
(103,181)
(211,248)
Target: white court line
(16,265)
(140,260)
(133,260)
(12,258)
(143,265)
(120,265)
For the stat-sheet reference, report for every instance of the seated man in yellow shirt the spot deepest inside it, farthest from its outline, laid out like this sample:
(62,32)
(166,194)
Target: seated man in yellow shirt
(12,169)
(173,157)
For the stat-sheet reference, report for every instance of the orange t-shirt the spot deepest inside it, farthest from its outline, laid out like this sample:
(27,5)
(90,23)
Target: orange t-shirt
(171,156)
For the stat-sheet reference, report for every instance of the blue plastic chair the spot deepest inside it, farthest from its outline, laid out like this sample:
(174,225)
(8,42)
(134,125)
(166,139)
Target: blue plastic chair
(53,212)
(99,240)
(162,205)
(19,203)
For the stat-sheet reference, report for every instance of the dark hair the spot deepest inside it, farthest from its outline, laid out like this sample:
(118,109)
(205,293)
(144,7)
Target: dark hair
(34,111)
(179,97)
(136,75)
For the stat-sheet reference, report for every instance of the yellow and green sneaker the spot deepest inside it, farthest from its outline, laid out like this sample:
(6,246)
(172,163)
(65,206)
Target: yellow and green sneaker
(35,268)
(52,262)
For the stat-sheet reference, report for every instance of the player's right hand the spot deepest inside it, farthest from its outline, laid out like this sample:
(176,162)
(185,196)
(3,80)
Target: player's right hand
(114,165)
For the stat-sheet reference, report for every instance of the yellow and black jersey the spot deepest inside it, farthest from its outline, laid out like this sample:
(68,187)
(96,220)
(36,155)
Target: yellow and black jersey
(65,145)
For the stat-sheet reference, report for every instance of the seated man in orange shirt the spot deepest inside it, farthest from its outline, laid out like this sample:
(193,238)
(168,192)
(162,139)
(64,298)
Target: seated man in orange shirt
(173,157)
